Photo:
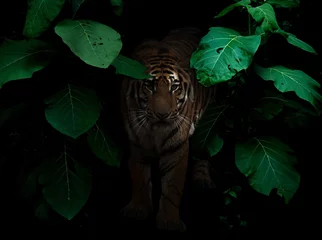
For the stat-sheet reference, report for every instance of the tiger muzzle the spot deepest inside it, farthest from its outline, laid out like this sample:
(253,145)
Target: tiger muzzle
(162,115)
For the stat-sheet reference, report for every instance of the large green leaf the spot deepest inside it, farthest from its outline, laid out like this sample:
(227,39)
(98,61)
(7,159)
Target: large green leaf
(242,3)
(40,15)
(273,102)
(266,108)
(20,59)
(73,110)
(286,80)
(267,162)
(221,54)
(129,67)
(103,146)
(292,39)
(67,185)
(265,15)
(284,3)
(94,43)
(205,141)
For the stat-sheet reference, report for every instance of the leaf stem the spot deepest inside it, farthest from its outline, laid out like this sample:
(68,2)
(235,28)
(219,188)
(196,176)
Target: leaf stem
(249,24)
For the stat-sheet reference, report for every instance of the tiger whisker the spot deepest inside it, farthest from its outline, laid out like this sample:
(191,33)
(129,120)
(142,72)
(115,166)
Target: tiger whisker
(142,124)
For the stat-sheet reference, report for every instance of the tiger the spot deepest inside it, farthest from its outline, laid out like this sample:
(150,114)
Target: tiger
(160,114)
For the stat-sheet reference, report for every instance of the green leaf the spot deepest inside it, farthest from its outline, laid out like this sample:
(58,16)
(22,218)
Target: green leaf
(103,147)
(67,185)
(7,114)
(265,15)
(205,142)
(284,3)
(129,67)
(40,15)
(292,39)
(73,110)
(299,120)
(221,54)
(243,223)
(42,209)
(76,4)
(233,194)
(286,80)
(274,102)
(117,3)
(29,187)
(215,145)
(118,6)
(20,59)
(268,106)
(94,43)
(242,3)
(264,35)
(267,162)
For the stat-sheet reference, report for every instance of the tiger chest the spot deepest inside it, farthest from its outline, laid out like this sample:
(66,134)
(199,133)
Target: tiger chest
(157,139)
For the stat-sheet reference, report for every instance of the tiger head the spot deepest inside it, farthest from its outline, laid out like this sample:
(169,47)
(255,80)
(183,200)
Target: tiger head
(164,95)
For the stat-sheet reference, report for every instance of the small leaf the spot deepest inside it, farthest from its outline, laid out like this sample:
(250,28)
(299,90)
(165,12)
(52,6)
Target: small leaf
(118,6)
(94,43)
(7,114)
(117,3)
(76,4)
(68,186)
(265,15)
(29,187)
(268,106)
(40,15)
(221,54)
(242,3)
(227,200)
(20,59)
(103,147)
(286,80)
(205,142)
(243,223)
(129,67)
(215,145)
(284,3)
(42,210)
(267,162)
(292,39)
(73,110)
(233,194)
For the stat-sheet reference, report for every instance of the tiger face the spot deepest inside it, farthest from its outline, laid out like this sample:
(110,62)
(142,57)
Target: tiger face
(164,96)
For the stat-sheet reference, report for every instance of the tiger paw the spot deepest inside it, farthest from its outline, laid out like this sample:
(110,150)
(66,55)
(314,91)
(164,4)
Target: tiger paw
(137,211)
(204,182)
(170,224)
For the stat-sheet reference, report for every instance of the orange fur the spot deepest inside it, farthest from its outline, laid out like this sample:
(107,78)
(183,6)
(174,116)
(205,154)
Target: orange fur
(160,114)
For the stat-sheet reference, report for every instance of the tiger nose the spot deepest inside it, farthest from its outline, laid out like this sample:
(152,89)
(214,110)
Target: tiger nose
(162,115)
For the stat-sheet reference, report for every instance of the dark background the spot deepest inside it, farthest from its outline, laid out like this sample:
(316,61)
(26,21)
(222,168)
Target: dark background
(28,138)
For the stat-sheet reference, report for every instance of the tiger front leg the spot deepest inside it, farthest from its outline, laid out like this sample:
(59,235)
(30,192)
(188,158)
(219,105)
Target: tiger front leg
(140,206)
(173,167)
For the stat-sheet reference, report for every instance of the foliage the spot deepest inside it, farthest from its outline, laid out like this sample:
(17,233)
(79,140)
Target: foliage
(74,110)
(225,56)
